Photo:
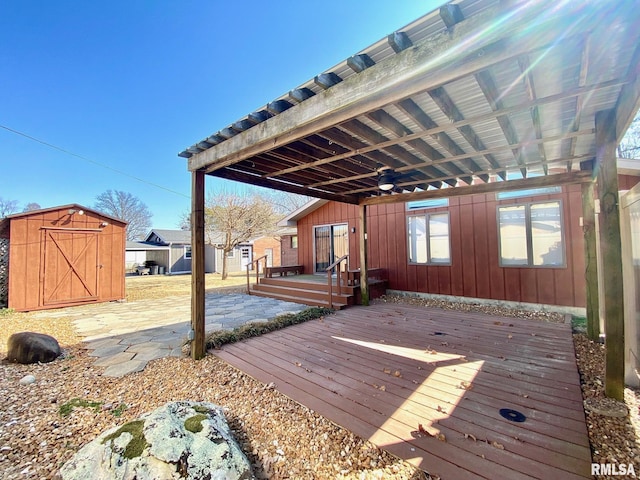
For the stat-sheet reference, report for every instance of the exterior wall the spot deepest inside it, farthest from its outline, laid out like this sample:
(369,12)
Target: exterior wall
(288,254)
(261,245)
(27,258)
(473,230)
(178,262)
(234,263)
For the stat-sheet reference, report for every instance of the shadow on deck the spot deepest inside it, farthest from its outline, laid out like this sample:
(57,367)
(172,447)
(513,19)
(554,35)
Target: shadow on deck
(428,386)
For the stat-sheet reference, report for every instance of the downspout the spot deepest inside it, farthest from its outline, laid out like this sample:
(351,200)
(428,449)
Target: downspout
(170,262)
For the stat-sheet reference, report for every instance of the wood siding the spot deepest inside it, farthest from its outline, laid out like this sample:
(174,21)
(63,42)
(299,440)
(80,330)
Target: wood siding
(43,244)
(475,270)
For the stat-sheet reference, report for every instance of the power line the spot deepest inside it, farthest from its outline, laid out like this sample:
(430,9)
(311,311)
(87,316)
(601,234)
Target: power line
(120,172)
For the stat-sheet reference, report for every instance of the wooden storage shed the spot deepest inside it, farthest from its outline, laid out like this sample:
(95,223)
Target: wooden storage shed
(63,256)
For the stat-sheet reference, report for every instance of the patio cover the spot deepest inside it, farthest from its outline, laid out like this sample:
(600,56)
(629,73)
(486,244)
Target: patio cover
(475,97)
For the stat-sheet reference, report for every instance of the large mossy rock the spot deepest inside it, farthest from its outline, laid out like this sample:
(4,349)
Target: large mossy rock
(188,440)
(30,347)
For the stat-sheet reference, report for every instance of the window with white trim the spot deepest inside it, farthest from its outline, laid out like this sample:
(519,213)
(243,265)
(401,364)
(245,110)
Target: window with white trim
(429,239)
(187,251)
(429,203)
(531,235)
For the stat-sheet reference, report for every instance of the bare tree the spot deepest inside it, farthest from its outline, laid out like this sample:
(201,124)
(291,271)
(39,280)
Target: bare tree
(127,207)
(7,207)
(30,207)
(284,202)
(629,147)
(234,219)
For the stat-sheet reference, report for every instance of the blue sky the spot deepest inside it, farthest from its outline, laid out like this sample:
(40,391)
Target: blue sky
(130,83)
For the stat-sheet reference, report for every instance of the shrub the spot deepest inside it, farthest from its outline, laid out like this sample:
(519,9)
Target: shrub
(254,329)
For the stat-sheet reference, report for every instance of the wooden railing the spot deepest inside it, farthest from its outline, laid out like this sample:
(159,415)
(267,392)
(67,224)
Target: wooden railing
(257,262)
(329,271)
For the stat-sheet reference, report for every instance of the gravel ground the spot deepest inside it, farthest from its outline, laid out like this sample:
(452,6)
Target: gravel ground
(282,438)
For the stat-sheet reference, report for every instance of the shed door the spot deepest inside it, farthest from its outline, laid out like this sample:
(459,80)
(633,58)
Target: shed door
(70,268)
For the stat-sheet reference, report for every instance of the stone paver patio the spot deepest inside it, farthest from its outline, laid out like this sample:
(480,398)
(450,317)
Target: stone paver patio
(125,336)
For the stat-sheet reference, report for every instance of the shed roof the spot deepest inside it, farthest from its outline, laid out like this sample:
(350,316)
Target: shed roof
(478,91)
(6,221)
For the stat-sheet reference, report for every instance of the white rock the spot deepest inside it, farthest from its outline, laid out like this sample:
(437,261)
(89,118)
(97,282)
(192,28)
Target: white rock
(172,448)
(27,380)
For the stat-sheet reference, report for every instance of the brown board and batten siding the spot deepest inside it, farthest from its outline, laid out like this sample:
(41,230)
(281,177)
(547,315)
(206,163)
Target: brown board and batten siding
(475,270)
(58,258)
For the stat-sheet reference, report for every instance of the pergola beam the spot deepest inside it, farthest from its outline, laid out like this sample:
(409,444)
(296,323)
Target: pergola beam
(482,188)
(610,253)
(198,350)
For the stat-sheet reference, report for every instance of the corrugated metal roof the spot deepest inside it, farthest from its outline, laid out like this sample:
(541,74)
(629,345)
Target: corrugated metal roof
(469,92)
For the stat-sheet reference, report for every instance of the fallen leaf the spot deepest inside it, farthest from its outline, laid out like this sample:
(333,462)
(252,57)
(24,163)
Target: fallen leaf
(465,386)
(397,374)
(472,437)
(445,344)
(441,410)
(387,371)
(497,323)
(441,437)
(499,446)
(509,336)
(422,430)
(298,364)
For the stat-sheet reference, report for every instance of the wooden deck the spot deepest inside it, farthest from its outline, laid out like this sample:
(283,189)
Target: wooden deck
(389,372)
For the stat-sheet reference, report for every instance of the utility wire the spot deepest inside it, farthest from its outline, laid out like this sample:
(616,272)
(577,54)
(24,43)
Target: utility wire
(141,180)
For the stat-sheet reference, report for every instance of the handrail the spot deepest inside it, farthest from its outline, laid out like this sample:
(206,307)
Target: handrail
(256,261)
(329,270)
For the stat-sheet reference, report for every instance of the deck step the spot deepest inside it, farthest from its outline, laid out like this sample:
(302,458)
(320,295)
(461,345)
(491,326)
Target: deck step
(307,285)
(298,299)
(303,292)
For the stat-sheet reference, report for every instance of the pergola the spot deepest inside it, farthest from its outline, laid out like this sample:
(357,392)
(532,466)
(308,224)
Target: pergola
(478,96)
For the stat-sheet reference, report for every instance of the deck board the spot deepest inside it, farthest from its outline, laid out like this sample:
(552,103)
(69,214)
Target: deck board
(381,371)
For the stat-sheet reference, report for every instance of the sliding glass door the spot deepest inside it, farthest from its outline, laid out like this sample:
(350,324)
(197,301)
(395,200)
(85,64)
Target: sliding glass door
(331,242)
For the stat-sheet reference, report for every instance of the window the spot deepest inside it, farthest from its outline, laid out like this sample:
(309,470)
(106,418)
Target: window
(187,251)
(531,192)
(531,235)
(430,203)
(429,239)
(294,241)
(231,253)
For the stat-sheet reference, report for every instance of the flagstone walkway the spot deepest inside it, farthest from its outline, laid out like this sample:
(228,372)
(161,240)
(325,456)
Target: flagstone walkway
(125,336)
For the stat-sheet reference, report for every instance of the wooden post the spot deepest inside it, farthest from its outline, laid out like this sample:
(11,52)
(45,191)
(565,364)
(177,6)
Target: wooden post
(611,252)
(591,260)
(197,265)
(364,273)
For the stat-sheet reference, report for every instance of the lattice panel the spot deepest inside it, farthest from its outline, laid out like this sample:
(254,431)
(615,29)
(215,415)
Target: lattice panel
(4,272)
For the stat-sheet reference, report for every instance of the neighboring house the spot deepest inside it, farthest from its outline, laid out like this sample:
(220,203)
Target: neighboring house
(273,247)
(524,246)
(171,250)
(288,245)
(62,256)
